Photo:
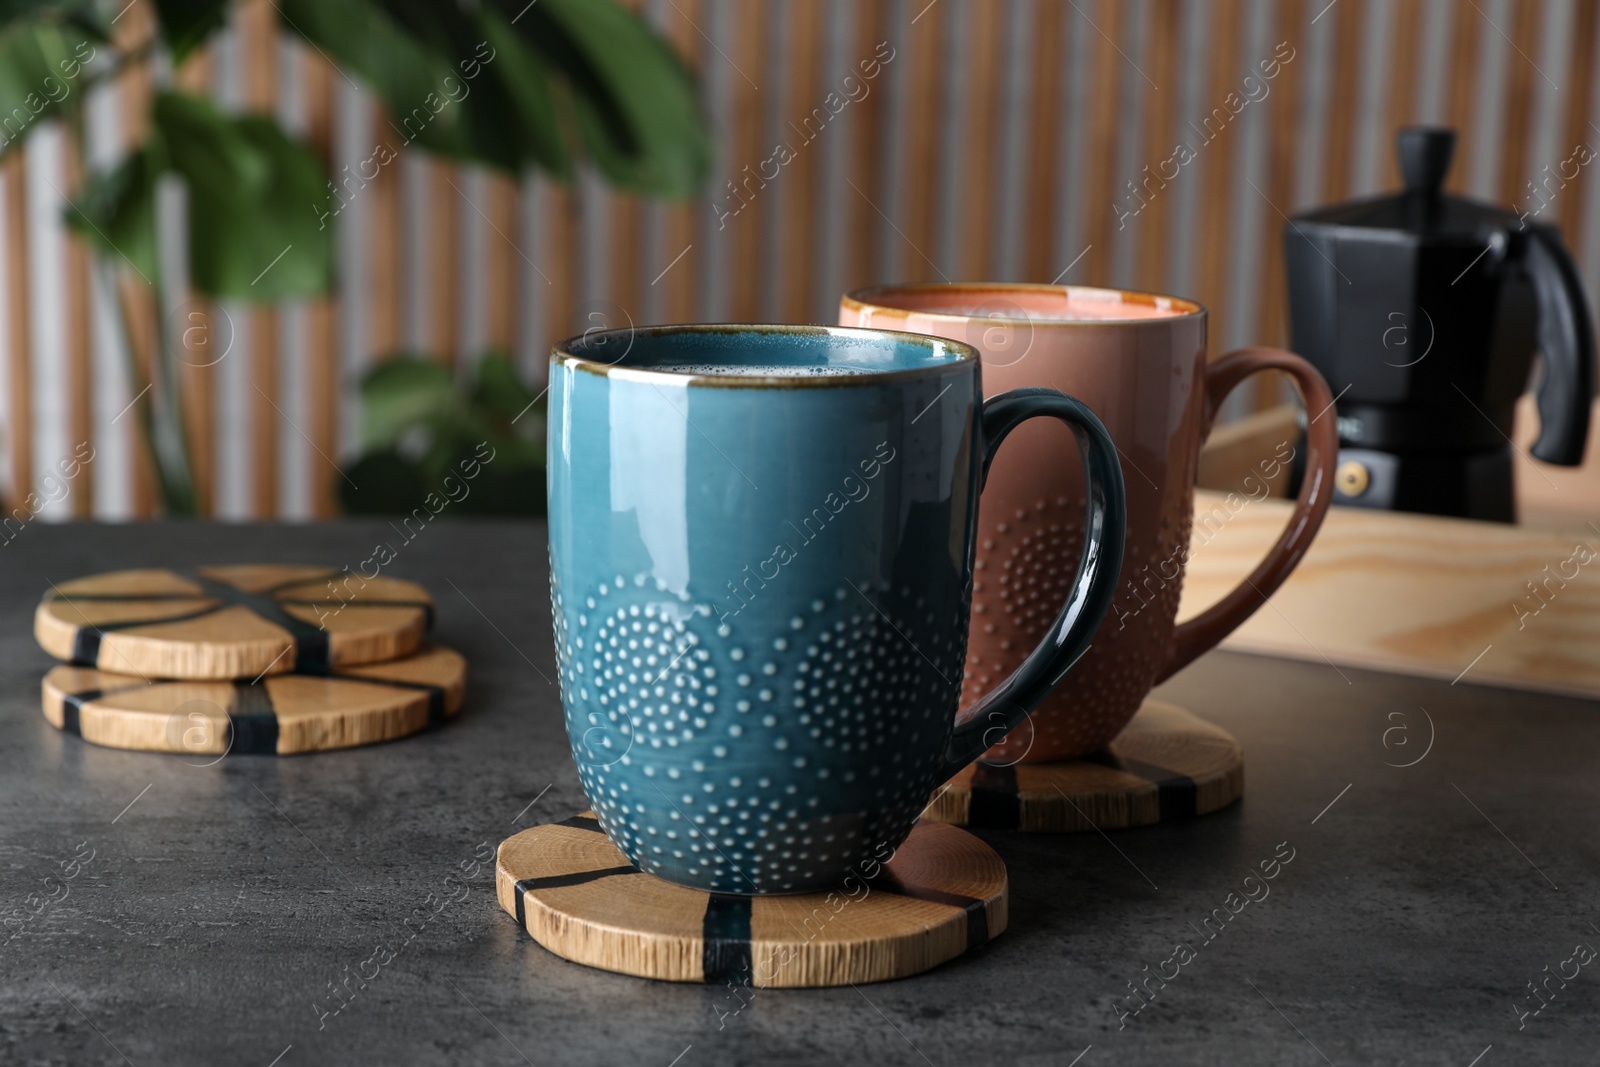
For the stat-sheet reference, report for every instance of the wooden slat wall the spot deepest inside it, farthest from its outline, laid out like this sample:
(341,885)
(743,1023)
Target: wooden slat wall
(19,336)
(137,304)
(981,149)
(322,323)
(75,298)
(197,332)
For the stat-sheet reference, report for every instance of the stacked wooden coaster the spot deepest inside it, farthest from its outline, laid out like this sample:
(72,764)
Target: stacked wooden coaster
(243,659)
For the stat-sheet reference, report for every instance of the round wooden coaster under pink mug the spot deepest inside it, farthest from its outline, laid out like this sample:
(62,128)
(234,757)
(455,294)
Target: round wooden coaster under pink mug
(1139,361)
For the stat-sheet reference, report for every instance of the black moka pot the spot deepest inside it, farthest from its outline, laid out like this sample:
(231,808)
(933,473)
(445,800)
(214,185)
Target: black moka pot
(1423,311)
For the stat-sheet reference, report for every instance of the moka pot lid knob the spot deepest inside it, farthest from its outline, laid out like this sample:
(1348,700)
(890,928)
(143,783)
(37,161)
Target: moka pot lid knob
(1422,211)
(1425,155)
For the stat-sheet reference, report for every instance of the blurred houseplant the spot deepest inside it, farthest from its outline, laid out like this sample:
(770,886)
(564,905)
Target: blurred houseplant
(422,432)
(552,83)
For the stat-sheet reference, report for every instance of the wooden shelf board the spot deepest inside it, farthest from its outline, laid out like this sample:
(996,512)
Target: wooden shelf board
(1414,594)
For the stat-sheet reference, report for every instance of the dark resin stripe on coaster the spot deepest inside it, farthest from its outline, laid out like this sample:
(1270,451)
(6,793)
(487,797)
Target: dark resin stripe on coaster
(72,707)
(562,881)
(1176,792)
(726,956)
(310,642)
(86,646)
(252,724)
(994,801)
(86,639)
(977,911)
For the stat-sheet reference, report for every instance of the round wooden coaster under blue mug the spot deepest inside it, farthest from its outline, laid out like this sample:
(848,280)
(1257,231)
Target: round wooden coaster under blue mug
(761,545)
(942,894)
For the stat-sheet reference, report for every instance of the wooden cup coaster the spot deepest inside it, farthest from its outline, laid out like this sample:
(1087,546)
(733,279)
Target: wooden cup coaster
(1166,764)
(942,893)
(231,622)
(280,714)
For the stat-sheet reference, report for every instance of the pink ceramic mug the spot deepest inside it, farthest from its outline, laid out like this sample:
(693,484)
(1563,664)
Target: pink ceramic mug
(1139,361)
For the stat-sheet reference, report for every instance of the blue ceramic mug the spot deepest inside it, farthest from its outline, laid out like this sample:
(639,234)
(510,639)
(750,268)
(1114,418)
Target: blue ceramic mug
(761,544)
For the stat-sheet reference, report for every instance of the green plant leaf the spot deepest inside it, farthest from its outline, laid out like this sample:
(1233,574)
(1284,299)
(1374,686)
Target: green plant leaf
(498,99)
(187,23)
(410,67)
(526,80)
(208,147)
(84,14)
(499,392)
(116,212)
(268,245)
(511,84)
(634,99)
(255,228)
(399,395)
(41,64)
(441,77)
(413,401)
(256,231)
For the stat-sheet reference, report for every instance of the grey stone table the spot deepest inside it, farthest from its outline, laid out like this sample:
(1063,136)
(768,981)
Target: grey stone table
(222,904)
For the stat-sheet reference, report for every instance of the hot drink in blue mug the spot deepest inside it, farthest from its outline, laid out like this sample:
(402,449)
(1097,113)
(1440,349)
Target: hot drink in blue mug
(761,545)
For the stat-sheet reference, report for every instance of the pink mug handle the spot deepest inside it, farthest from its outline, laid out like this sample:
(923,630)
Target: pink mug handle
(1205,631)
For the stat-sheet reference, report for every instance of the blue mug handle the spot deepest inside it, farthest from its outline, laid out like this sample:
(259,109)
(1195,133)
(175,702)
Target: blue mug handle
(1003,708)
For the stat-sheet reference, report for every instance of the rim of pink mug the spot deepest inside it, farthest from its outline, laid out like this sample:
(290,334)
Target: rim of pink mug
(1176,308)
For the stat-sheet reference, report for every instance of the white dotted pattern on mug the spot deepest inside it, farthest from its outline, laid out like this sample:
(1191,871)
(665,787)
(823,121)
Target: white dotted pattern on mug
(753,763)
